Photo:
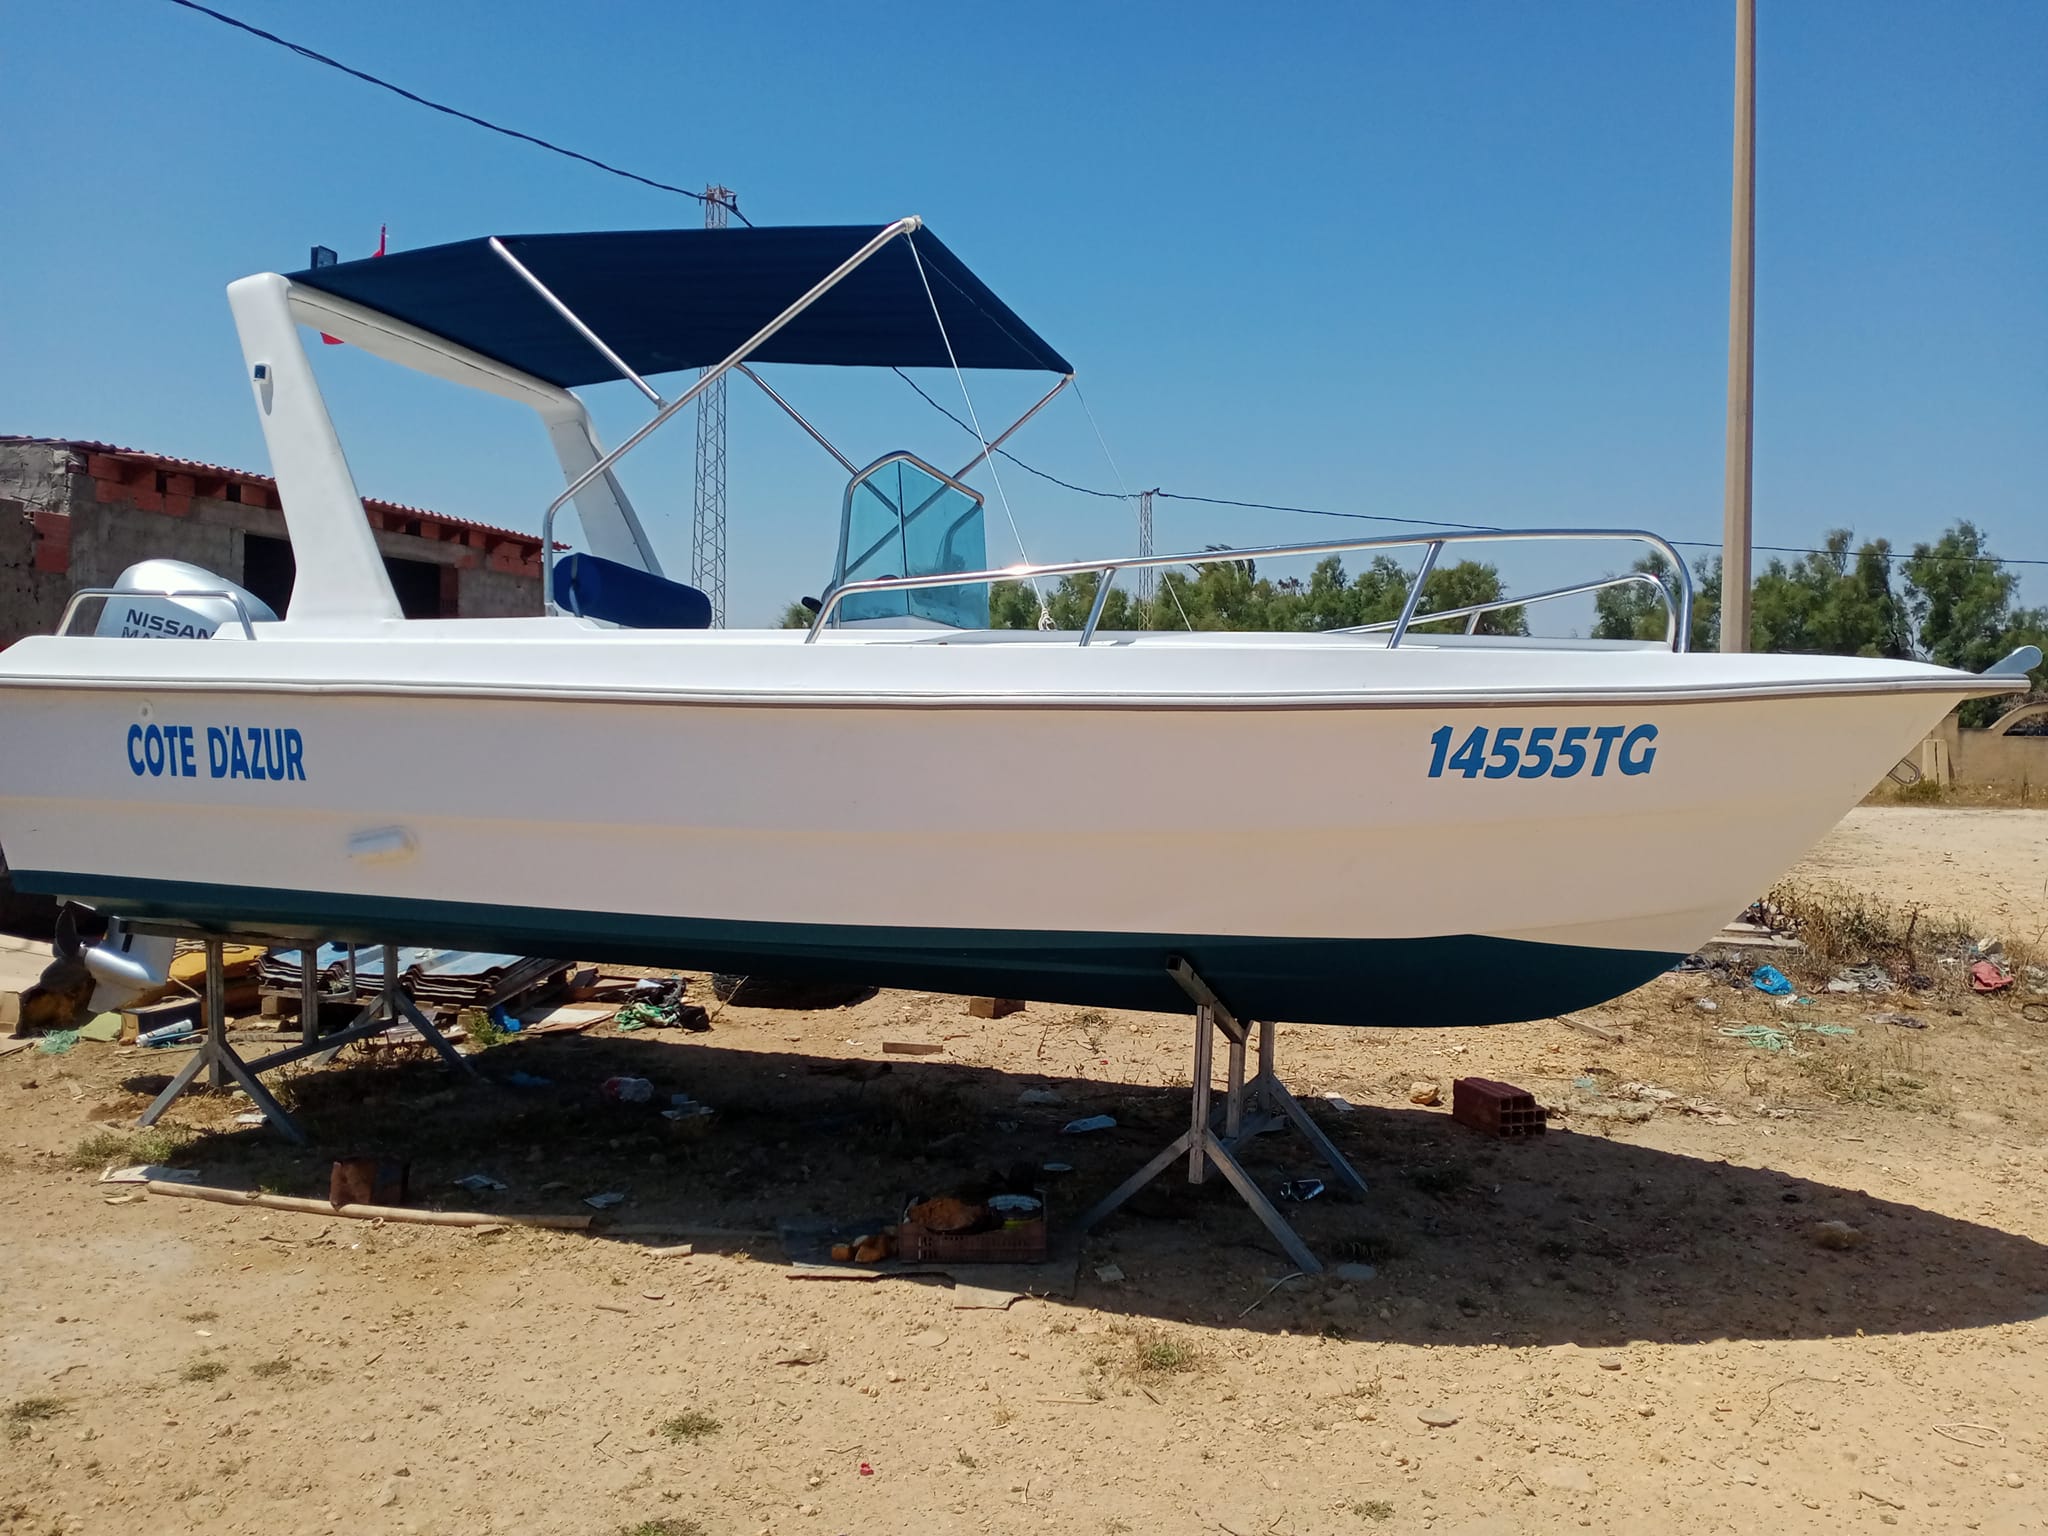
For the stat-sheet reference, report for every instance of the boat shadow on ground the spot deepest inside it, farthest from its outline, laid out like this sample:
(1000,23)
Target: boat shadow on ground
(1554,1239)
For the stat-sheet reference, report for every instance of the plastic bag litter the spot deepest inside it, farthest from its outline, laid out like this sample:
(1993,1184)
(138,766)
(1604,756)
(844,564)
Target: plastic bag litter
(1769,1037)
(1769,979)
(1986,977)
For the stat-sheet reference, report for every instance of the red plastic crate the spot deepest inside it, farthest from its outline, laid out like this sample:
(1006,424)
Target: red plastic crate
(1021,1244)
(1498,1109)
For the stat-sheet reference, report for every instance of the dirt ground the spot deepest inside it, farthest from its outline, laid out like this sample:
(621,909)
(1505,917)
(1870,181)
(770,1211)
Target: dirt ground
(1629,1324)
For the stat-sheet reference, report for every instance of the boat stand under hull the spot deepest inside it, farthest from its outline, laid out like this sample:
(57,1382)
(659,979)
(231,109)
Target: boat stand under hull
(1456,979)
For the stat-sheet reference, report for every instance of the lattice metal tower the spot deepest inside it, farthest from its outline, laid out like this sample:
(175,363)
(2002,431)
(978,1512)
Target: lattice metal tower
(707,528)
(1148,576)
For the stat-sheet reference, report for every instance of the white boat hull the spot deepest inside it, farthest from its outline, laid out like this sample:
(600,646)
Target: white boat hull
(1301,855)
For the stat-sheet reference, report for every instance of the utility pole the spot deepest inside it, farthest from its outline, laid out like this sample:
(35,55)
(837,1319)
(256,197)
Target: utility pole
(707,530)
(1146,574)
(1735,512)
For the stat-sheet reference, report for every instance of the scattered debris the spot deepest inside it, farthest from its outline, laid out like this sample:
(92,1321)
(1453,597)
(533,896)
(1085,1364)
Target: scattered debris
(993,1007)
(149,1173)
(1598,1031)
(476,1184)
(627,1090)
(568,1019)
(1771,981)
(1354,1272)
(1838,1235)
(913,1047)
(1706,1005)
(1985,976)
(57,1041)
(1301,1190)
(1109,1274)
(687,1119)
(1861,978)
(1425,1094)
(1438,1418)
(670,1014)
(1045,1096)
(606,1201)
(1770,1037)
(1339,1103)
(1901,1020)
(1090,1123)
(361,1212)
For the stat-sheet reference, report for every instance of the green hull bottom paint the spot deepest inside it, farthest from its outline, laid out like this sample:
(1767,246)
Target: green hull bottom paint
(1453,980)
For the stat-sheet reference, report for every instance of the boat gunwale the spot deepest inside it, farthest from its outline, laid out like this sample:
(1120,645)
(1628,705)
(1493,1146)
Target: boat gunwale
(1962,686)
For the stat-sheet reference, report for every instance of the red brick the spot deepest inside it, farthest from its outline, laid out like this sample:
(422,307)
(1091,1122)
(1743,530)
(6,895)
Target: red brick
(53,543)
(1498,1109)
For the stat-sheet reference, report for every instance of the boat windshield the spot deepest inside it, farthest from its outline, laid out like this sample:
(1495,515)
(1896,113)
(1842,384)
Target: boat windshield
(904,518)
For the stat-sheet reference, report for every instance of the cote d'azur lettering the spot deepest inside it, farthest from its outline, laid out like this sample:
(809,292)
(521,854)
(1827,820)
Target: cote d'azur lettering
(216,752)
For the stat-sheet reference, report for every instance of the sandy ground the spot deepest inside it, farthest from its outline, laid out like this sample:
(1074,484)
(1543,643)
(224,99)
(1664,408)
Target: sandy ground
(1621,1326)
(1990,865)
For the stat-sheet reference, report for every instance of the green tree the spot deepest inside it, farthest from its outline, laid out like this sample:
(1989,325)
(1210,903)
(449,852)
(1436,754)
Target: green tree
(797,616)
(1961,602)
(1462,585)
(1635,613)
(1832,603)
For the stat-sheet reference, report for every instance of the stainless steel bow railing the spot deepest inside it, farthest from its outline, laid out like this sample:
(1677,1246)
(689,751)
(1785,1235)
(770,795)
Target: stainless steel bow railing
(1677,610)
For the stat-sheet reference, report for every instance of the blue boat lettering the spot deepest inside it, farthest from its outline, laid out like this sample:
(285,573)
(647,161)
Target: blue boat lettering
(1543,752)
(232,752)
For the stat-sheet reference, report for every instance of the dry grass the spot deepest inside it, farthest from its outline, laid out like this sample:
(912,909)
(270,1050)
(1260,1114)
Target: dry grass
(692,1425)
(105,1149)
(1151,1351)
(34,1410)
(203,1370)
(1842,928)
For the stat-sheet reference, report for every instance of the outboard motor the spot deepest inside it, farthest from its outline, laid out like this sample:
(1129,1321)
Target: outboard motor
(151,615)
(126,966)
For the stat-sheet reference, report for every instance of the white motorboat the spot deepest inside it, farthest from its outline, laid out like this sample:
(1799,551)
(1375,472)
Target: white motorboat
(1387,826)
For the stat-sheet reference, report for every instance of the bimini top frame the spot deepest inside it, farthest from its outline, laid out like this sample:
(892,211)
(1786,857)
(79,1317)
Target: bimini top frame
(530,316)
(1677,613)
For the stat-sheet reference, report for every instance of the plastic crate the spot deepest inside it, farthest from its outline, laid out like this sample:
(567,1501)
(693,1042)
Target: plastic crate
(1022,1244)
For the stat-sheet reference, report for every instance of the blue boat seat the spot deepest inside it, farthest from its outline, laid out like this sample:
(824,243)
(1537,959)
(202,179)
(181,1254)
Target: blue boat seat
(595,588)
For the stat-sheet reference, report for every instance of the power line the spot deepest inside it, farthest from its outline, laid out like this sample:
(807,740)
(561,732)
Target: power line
(731,206)
(468,117)
(1029,469)
(1408,522)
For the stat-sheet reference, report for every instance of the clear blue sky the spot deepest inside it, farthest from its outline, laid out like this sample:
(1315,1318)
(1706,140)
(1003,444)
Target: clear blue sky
(1466,261)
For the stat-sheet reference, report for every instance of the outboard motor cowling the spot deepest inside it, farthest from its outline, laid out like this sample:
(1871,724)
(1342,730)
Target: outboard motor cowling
(166,604)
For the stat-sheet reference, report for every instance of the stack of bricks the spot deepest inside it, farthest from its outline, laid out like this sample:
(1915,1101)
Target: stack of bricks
(1498,1109)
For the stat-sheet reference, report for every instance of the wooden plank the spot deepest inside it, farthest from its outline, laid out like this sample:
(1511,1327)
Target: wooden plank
(1597,1031)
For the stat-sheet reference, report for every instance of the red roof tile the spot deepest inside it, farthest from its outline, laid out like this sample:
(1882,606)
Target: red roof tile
(161,461)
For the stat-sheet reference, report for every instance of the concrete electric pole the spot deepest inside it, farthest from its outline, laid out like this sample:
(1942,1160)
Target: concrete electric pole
(1735,519)
(707,529)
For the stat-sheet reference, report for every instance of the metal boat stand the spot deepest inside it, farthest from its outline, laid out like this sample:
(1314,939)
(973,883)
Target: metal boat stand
(222,1064)
(1249,1109)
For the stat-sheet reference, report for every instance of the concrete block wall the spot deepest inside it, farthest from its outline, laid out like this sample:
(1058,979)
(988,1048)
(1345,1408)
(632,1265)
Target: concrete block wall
(76,515)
